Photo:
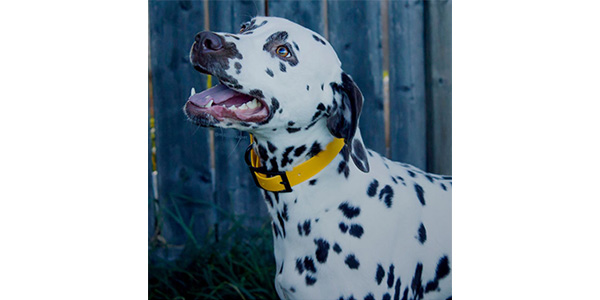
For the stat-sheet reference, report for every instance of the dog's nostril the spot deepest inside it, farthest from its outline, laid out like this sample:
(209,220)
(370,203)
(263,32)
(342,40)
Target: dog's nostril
(209,41)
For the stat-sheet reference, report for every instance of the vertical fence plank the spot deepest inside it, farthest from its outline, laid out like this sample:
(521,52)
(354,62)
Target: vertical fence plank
(408,137)
(355,33)
(235,191)
(438,27)
(182,150)
(308,13)
(151,214)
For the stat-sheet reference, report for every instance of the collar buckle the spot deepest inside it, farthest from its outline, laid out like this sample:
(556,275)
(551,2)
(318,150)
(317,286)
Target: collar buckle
(285,183)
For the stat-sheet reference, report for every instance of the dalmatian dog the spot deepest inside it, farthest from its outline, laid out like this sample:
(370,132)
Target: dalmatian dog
(363,227)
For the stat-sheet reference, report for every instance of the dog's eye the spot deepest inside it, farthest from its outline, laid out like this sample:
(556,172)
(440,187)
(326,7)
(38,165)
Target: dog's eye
(283,51)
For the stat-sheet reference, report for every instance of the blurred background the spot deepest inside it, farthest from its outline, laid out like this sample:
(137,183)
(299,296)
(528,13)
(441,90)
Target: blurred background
(208,231)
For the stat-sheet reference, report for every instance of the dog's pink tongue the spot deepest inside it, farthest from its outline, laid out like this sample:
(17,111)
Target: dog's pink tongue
(218,94)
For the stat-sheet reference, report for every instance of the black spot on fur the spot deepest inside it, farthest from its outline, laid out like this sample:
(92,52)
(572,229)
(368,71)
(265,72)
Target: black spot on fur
(369,297)
(416,285)
(311,124)
(304,228)
(314,149)
(343,227)
(229,35)
(309,264)
(372,190)
(299,150)
(292,129)
(291,123)
(292,289)
(337,248)
(281,269)
(420,193)
(262,153)
(312,182)
(296,46)
(349,210)
(321,107)
(280,219)
(411,173)
(397,289)
(345,153)
(256,93)
(429,178)
(379,274)
(431,286)
(405,296)
(442,270)
(286,160)
(282,67)
(316,116)
(422,237)
(307,87)
(251,25)
(310,280)
(274,165)
(284,213)
(356,230)
(352,262)
(271,147)
(318,39)
(390,277)
(443,186)
(343,168)
(386,296)
(275,38)
(394,180)
(388,193)
(275,229)
(299,266)
(322,250)
(269,72)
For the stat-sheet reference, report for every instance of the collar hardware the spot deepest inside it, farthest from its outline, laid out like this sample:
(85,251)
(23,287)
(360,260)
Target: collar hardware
(278,181)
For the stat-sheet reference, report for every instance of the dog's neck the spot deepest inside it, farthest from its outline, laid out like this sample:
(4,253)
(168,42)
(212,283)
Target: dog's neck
(281,150)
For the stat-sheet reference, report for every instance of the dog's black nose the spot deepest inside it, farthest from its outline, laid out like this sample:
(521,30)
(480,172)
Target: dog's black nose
(207,41)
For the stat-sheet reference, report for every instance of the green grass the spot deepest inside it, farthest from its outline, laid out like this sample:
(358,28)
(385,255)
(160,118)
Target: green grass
(239,266)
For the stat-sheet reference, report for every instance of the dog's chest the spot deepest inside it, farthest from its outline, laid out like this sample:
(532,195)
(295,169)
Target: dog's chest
(348,227)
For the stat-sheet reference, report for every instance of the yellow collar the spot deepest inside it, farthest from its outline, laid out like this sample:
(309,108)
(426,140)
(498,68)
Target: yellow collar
(284,181)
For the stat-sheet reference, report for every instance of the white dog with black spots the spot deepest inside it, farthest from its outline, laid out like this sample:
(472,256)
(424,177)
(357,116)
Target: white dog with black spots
(363,227)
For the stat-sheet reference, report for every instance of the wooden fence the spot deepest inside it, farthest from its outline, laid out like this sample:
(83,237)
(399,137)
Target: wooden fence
(199,174)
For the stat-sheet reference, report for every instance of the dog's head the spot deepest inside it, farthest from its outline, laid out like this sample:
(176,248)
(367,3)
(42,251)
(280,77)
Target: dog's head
(274,75)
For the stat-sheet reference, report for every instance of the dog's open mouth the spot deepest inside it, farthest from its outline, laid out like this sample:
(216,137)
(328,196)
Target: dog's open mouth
(222,103)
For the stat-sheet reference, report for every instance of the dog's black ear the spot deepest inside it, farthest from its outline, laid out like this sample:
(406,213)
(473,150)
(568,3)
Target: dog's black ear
(343,120)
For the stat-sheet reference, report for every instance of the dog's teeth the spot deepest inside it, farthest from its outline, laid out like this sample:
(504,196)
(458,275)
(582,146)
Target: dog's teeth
(251,104)
(192,92)
(243,106)
(232,107)
(209,104)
